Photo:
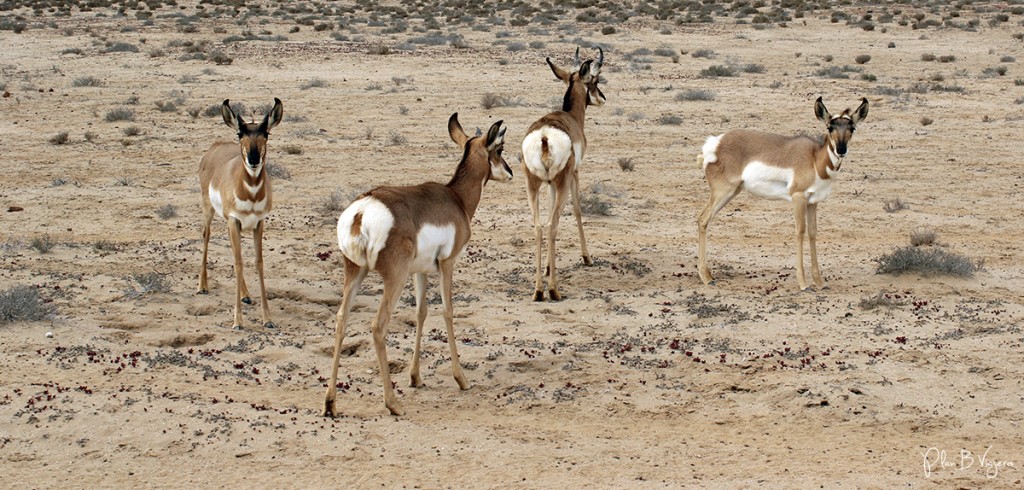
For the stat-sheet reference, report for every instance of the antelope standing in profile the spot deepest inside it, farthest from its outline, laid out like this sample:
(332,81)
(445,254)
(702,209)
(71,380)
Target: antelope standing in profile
(552,153)
(233,179)
(419,229)
(795,168)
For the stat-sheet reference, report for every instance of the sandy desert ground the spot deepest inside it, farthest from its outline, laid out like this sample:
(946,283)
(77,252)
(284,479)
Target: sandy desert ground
(642,377)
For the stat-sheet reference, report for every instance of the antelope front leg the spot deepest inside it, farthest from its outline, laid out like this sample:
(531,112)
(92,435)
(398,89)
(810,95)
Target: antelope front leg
(532,188)
(207,219)
(353,278)
(258,243)
(574,186)
(812,235)
(241,278)
(447,269)
(800,209)
(236,249)
(420,283)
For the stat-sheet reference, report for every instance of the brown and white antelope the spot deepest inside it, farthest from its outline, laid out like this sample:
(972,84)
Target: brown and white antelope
(552,153)
(416,230)
(233,179)
(795,168)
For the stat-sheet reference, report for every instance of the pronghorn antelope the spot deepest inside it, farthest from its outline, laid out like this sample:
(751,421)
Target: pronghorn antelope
(772,166)
(398,231)
(233,178)
(552,152)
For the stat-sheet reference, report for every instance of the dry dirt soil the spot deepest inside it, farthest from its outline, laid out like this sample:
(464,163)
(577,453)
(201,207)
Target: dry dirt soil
(641,377)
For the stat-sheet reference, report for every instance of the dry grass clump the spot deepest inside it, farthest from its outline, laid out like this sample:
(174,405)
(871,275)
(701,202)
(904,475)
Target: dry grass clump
(141,284)
(491,100)
(695,94)
(121,114)
(23,303)
(60,138)
(894,205)
(923,236)
(881,300)
(42,244)
(927,261)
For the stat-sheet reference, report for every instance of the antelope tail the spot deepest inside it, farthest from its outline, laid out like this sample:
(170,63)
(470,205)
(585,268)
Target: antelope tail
(545,152)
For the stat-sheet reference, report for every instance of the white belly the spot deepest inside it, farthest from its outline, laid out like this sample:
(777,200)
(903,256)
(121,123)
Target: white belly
(433,243)
(768,182)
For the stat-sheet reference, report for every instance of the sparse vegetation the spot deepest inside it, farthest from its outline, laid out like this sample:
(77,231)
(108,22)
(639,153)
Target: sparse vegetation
(715,71)
(167,211)
(23,303)
(396,139)
(140,284)
(670,120)
(122,114)
(695,94)
(862,58)
(894,205)
(927,261)
(491,100)
(42,244)
(626,164)
(132,131)
(882,300)
(86,82)
(315,83)
(923,236)
(592,204)
(60,138)
(925,121)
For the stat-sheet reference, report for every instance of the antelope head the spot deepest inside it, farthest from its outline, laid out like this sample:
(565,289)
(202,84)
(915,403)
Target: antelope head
(588,73)
(841,127)
(252,137)
(493,144)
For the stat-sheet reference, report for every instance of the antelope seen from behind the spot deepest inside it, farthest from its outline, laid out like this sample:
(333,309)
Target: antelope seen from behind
(234,183)
(419,229)
(552,153)
(794,168)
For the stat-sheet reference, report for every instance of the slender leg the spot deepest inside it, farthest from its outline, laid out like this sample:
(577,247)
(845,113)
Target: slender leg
(393,282)
(354,276)
(241,278)
(532,188)
(800,210)
(812,236)
(558,197)
(258,243)
(207,219)
(574,186)
(236,248)
(719,198)
(447,268)
(420,283)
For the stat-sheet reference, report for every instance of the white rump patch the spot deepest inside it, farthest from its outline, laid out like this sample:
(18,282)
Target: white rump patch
(765,181)
(433,243)
(710,150)
(216,202)
(376,224)
(559,147)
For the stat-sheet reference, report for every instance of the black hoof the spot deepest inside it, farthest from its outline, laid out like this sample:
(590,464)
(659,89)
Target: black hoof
(247,300)
(236,327)
(587,260)
(269,325)
(538,296)
(554,295)
(203,291)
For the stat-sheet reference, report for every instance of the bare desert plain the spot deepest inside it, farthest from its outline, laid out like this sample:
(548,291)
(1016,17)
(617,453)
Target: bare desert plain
(115,373)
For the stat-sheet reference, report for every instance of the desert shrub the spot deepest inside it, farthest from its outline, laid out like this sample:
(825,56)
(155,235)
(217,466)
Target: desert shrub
(626,164)
(670,120)
(1007,59)
(315,83)
(867,77)
(880,300)
(593,204)
(928,261)
(993,71)
(894,205)
(42,244)
(60,138)
(491,100)
(140,284)
(928,57)
(516,46)
(86,82)
(923,236)
(703,53)
(122,114)
(832,72)
(862,58)
(606,30)
(396,139)
(378,49)
(752,68)
(336,202)
(167,211)
(122,48)
(220,57)
(71,51)
(714,71)
(166,106)
(947,58)
(694,94)
(292,149)
(278,171)
(925,121)
(132,131)
(23,303)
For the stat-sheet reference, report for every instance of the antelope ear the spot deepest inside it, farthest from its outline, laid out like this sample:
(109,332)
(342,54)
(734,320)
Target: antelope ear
(495,136)
(230,118)
(559,73)
(456,132)
(861,111)
(821,112)
(274,116)
(585,71)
